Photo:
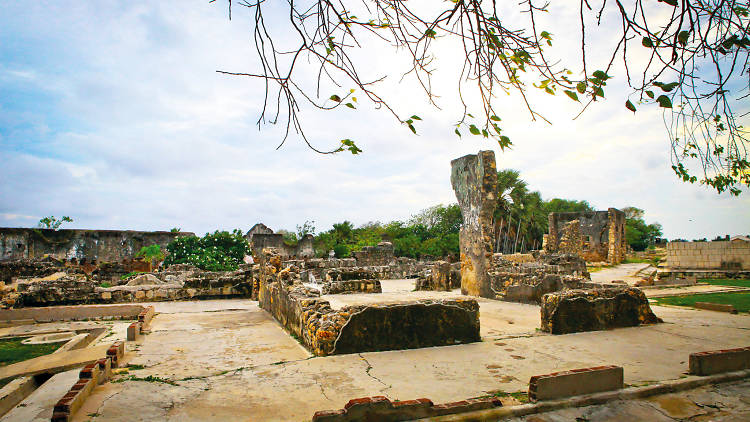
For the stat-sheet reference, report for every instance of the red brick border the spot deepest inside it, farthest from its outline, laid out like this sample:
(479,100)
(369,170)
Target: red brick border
(380,408)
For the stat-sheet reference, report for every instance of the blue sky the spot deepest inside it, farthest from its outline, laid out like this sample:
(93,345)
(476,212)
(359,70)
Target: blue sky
(112,113)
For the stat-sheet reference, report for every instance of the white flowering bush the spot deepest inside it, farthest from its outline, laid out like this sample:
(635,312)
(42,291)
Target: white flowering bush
(217,251)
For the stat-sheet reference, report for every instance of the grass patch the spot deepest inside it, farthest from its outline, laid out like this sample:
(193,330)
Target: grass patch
(726,282)
(149,378)
(521,396)
(653,261)
(12,350)
(130,274)
(105,284)
(740,300)
(135,367)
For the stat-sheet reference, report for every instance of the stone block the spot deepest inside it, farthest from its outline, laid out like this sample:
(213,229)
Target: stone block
(718,361)
(720,307)
(575,382)
(595,309)
(134,331)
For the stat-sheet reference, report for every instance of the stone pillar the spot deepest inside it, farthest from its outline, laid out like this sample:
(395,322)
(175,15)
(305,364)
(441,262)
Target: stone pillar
(474,179)
(570,238)
(551,239)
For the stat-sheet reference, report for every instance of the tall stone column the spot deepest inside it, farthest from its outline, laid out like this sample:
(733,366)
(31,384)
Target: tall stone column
(474,179)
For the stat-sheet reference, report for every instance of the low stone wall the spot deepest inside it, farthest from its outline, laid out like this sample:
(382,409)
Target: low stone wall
(439,278)
(190,284)
(398,269)
(590,310)
(382,254)
(351,286)
(71,313)
(361,328)
(726,255)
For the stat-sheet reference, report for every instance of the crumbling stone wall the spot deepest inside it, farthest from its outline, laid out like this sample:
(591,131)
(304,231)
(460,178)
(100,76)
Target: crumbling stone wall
(398,269)
(602,235)
(360,328)
(591,310)
(382,254)
(528,282)
(181,283)
(439,278)
(474,180)
(79,245)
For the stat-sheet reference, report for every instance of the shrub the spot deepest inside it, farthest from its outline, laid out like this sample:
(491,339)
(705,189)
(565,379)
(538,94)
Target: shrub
(217,251)
(341,251)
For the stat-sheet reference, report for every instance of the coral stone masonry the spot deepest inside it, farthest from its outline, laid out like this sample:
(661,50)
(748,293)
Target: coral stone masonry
(474,180)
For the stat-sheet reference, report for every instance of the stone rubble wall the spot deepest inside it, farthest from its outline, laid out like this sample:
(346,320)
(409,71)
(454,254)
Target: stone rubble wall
(75,289)
(360,328)
(319,268)
(382,254)
(528,282)
(599,236)
(352,286)
(591,310)
(79,245)
(726,255)
(439,278)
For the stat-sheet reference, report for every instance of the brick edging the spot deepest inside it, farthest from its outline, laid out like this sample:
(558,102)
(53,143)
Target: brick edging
(631,393)
(89,377)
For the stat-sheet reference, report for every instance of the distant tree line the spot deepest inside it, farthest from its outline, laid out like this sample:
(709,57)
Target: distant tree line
(520,221)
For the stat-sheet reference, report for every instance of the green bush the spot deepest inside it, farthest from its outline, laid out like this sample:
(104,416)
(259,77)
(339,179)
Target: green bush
(217,251)
(341,251)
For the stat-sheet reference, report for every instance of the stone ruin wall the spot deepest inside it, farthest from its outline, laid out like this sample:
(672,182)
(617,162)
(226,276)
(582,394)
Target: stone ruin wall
(474,181)
(382,254)
(726,256)
(79,246)
(361,328)
(528,281)
(179,282)
(597,236)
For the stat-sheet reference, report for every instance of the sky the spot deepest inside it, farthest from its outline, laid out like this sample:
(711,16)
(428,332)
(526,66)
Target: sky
(113,113)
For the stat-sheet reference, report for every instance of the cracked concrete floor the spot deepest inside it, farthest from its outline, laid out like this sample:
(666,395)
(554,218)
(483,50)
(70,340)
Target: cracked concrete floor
(229,360)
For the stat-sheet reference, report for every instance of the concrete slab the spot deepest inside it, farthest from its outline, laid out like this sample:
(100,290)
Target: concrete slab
(37,407)
(230,365)
(54,363)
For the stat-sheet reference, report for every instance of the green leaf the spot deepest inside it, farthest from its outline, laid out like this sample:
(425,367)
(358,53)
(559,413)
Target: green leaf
(601,75)
(571,94)
(494,118)
(598,91)
(457,132)
(430,33)
(474,130)
(470,115)
(664,101)
(350,105)
(668,87)
(629,105)
(336,98)
(682,37)
(504,142)
(349,144)
(413,129)
(545,35)
(415,117)
(485,133)
(650,94)
(646,42)
(581,87)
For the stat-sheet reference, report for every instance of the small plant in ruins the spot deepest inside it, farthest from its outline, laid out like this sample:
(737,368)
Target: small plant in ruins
(53,223)
(151,254)
(217,251)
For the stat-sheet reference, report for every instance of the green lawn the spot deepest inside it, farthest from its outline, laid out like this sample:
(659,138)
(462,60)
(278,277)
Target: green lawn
(741,301)
(12,350)
(726,282)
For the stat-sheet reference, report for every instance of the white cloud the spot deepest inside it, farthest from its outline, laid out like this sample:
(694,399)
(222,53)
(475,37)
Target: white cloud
(137,131)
